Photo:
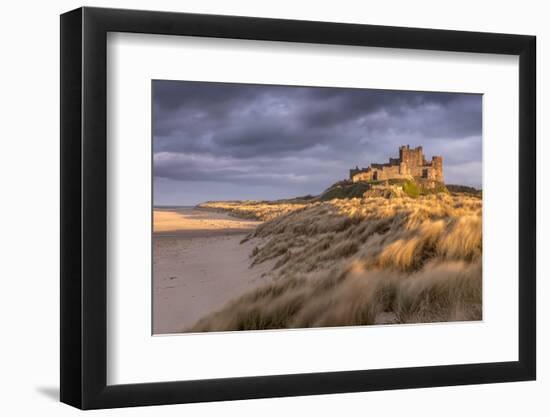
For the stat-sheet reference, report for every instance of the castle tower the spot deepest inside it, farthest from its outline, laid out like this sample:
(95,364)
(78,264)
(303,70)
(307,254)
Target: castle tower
(437,165)
(402,150)
(412,157)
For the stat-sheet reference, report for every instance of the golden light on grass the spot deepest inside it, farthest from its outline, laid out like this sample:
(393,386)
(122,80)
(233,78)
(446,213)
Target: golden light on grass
(362,261)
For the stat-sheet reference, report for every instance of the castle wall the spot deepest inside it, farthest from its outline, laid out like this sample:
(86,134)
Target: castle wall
(385,172)
(388,172)
(362,176)
(417,171)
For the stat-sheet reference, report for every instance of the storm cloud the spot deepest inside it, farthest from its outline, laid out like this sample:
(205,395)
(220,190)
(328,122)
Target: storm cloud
(267,142)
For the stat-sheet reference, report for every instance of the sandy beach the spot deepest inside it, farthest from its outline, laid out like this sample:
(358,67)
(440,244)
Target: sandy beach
(199,264)
(191,222)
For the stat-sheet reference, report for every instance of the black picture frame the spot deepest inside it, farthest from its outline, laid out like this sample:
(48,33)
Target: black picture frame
(84,207)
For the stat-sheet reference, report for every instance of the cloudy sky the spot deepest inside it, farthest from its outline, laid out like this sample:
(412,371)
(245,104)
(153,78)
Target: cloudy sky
(220,141)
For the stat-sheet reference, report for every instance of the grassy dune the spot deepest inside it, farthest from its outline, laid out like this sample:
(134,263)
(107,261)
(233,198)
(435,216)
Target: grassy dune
(256,210)
(362,261)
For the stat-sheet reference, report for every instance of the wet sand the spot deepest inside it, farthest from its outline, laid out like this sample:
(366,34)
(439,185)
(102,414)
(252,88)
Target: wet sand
(199,264)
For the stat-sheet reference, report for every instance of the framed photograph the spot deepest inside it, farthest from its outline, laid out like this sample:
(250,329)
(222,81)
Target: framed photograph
(259,208)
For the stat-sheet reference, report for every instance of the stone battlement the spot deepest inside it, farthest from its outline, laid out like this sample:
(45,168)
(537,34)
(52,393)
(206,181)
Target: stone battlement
(410,164)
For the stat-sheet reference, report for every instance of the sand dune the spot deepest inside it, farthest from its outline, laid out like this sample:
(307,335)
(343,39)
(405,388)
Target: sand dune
(364,261)
(254,210)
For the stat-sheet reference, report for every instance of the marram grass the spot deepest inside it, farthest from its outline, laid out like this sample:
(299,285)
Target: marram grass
(361,261)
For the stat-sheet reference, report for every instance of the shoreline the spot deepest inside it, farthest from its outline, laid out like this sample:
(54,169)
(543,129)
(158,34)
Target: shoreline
(197,221)
(198,233)
(200,264)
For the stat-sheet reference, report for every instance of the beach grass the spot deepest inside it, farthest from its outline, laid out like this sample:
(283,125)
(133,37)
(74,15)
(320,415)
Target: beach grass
(361,261)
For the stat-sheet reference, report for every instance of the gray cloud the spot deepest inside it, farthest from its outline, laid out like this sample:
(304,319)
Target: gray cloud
(302,138)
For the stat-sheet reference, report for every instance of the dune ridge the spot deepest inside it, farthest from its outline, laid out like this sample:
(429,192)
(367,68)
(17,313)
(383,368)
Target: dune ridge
(251,209)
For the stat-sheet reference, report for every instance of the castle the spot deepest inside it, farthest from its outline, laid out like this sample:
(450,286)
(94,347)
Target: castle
(410,164)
